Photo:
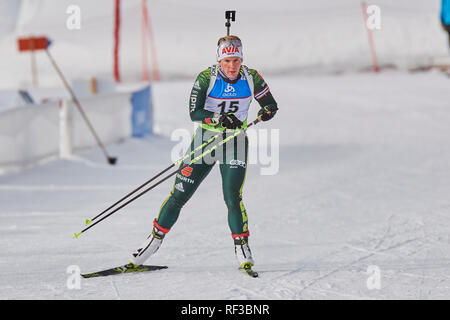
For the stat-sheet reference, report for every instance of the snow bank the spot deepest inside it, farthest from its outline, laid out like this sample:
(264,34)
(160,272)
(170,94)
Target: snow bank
(34,132)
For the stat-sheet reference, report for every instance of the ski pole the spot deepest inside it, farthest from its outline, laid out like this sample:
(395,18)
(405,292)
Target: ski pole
(111,160)
(76,235)
(88,221)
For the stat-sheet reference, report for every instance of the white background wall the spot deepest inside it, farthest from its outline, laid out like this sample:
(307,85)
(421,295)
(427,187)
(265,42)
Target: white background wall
(286,36)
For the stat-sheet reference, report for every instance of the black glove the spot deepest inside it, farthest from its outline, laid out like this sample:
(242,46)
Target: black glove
(229,121)
(267,112)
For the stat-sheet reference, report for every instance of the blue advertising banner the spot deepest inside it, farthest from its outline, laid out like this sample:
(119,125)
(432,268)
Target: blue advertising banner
(142,115)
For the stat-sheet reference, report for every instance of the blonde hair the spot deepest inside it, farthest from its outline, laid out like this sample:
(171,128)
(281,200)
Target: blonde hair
(227,38)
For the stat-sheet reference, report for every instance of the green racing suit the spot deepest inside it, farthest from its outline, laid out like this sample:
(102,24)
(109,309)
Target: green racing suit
(212,95)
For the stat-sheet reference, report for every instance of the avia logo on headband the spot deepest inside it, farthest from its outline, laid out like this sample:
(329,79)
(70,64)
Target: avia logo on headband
(230,50)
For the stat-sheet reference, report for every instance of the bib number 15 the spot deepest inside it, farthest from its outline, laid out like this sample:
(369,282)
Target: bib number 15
(232,107)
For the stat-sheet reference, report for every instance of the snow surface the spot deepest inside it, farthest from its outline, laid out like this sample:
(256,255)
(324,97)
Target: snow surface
(364,180)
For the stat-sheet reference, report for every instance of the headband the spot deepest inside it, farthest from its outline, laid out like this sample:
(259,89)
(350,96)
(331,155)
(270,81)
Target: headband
(229,48)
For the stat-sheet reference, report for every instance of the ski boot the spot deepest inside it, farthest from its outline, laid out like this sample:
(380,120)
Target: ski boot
(150,246)
(244,255)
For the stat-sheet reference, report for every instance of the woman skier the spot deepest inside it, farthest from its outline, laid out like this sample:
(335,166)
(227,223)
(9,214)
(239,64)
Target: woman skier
(219,102)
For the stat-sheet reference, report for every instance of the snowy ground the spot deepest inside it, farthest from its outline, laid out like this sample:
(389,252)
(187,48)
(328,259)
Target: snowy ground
(364,180)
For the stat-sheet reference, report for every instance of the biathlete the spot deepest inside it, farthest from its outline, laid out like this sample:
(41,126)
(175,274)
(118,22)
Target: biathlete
(219,102)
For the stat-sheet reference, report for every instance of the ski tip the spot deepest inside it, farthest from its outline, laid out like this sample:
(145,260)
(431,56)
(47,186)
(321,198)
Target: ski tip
(90,275)
(250,273)
(88,221)
(246,268)
(76,235)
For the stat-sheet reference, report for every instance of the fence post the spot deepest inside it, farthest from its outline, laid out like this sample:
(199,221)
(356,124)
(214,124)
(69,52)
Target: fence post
(65,129)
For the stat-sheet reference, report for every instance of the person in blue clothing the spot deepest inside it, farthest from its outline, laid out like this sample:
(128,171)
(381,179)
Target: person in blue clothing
(445,17)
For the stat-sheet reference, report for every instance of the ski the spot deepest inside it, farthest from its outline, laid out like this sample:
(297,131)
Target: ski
(129,268)
(247,269)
